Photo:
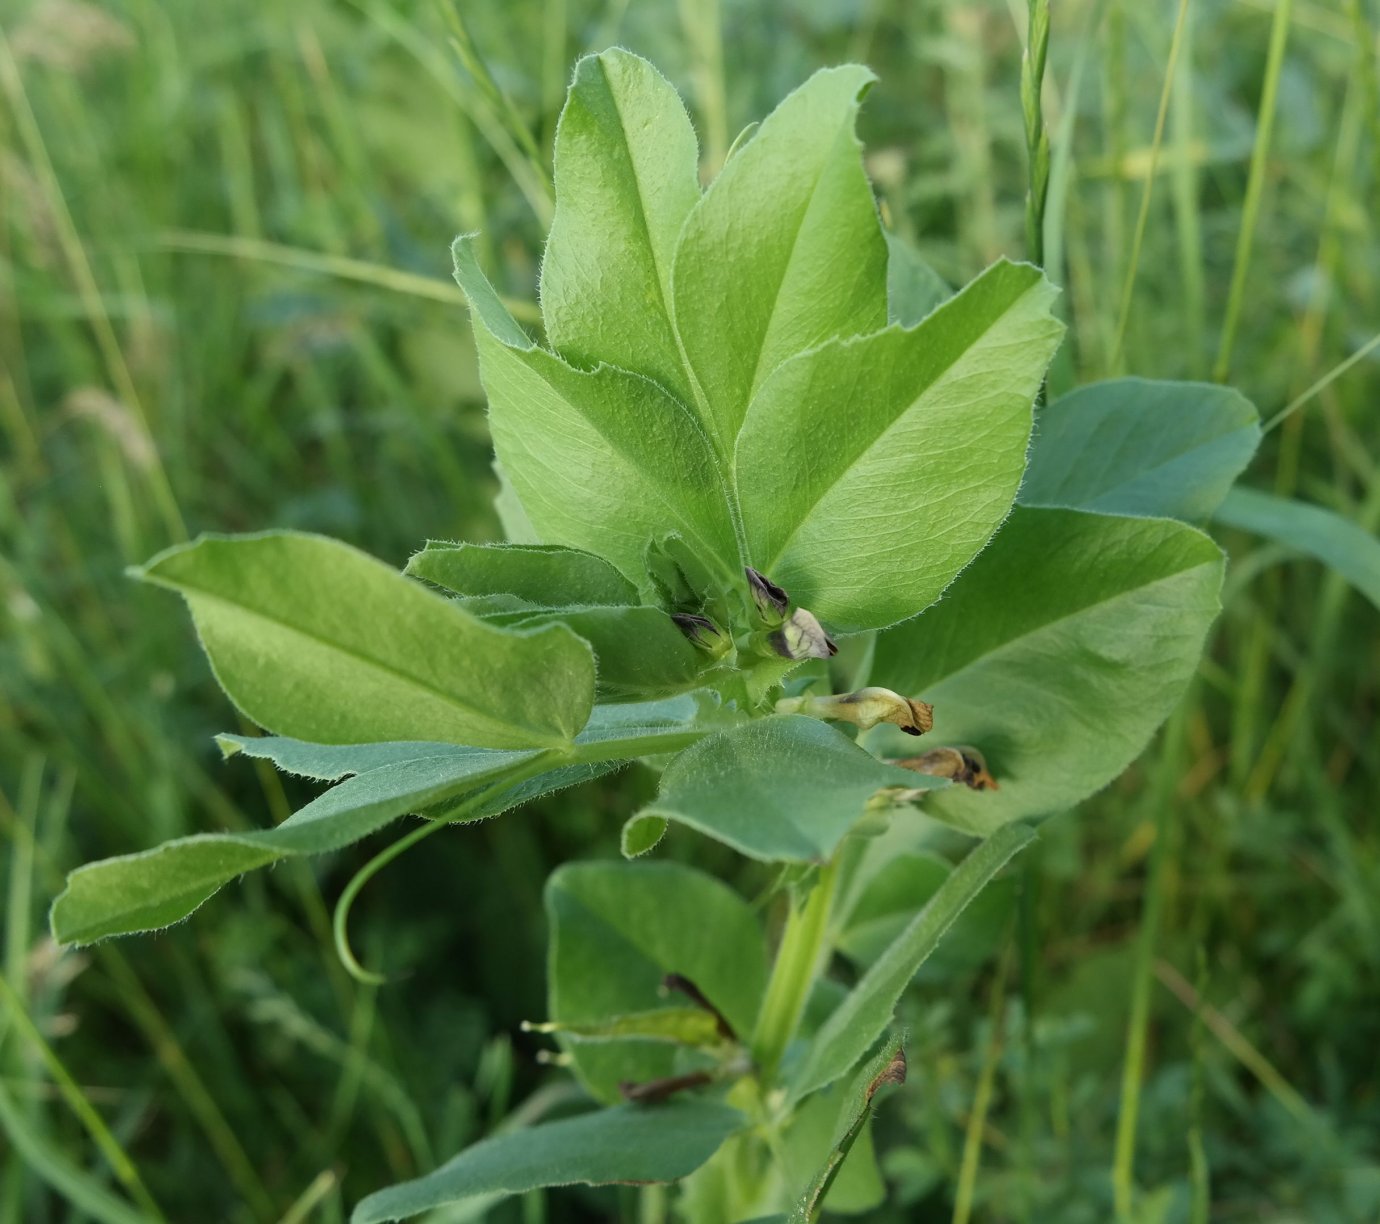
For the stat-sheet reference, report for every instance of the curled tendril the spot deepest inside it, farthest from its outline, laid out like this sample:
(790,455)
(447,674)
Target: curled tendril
(340,920)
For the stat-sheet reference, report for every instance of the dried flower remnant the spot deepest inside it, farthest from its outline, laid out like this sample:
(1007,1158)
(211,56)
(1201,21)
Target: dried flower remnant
(964,765)
(802,637)
(683,985)
(865,708)
(653,1092)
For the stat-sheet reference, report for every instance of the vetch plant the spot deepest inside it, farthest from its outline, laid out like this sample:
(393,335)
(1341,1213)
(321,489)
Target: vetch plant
(778,504)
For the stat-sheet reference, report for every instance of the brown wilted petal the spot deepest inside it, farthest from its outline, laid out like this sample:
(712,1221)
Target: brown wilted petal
(964,765)
(865,708)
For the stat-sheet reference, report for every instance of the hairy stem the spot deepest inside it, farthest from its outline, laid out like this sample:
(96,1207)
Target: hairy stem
(793,974)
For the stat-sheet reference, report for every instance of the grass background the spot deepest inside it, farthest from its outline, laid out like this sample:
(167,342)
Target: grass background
(224,305)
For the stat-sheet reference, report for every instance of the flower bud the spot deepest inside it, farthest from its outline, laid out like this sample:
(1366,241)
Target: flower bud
(701,631)
(802,637)
(963,765)
(865,708)
(770,599)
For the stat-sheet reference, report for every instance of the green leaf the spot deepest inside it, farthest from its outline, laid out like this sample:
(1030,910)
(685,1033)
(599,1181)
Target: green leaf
(617,929)
(1132,446)
(626,1144)
(785,788)
(1057,654)
(870,471)
(153,889)
(313,639)
(331,762)
(627,176)
(783,252)
(1320,533)
(637,719)
(517,527)
(603,460)
(913,288)
(867,1009)
(639,652)
(538,574)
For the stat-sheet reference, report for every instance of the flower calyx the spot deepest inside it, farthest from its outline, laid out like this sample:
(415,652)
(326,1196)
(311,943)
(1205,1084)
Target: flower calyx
(865,709)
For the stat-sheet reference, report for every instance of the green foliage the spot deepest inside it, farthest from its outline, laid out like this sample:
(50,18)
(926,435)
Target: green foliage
(315,640)
(1058,653)
(781,789)
(846,449)
(617,931)
(782,254)
(756,420)
(627,177)
(152,889)
(622,1144)
(1132,446)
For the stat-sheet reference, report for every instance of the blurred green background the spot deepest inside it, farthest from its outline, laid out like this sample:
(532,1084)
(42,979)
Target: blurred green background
(225,305)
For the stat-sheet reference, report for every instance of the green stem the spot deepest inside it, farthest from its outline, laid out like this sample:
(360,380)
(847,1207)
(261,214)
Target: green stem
(793,974)
(1036,134)
(1255,186)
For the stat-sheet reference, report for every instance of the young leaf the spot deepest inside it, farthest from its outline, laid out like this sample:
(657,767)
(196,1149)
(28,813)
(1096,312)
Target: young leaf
(870,471)
(1057,654)
(538,574)
(783,252)
(627,176)
(1133,446)
(785,788)
(313,639)
(625,1144)
(640,651)
(913,288)
(153,889)
(605,460)
(617,930)
(866,1010)
(1335,541)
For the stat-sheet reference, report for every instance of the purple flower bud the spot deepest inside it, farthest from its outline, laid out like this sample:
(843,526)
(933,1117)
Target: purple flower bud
(702,631)
(770,599)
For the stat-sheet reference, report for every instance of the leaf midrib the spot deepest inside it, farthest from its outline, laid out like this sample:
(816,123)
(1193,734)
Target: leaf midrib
(488,720)
(663,283)
(938,377)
